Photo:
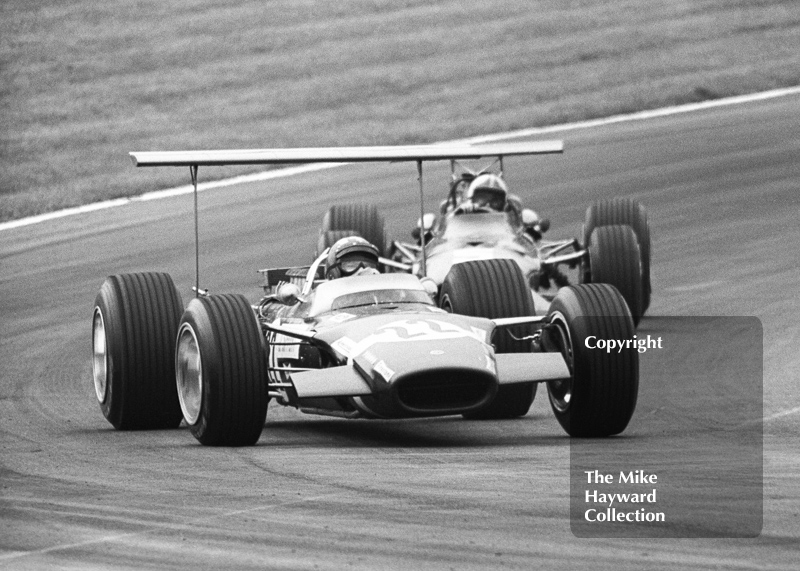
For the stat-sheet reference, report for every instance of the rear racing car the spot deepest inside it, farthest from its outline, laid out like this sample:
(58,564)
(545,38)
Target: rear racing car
(615,246)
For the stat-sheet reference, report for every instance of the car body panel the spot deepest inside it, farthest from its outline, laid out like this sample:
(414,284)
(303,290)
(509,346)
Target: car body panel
(394,359)
(477,236)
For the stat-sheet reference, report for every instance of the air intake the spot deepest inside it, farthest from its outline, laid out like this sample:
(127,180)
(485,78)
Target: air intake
(444,390)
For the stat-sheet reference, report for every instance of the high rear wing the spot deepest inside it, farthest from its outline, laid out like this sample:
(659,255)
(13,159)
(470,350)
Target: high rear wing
(417,153)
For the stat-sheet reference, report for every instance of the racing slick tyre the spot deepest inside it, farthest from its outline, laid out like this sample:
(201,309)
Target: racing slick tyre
(220,366)
(600,397)
(492,289)
(623,211)
(614,259)
(134,326)
(329,237)
(361,219)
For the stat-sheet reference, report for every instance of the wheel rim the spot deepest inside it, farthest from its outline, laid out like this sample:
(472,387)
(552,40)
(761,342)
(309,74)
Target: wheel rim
(560,392)
(99,355)
(189,374)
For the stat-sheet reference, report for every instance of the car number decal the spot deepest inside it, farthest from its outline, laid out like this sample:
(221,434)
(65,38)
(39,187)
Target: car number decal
(409,330)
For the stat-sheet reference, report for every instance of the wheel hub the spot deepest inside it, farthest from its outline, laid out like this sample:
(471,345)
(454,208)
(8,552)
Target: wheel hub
(189,374)
(99,355)
(560,392)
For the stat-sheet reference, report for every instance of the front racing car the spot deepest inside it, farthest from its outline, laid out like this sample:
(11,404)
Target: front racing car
(364,346)
(377,347)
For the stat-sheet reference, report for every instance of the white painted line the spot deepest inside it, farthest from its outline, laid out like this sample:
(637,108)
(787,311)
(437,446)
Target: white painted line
(62,213)
(782,413)
(159,194)
(265,175)
(641,115)
(291,171)
(695,287)
(774,416)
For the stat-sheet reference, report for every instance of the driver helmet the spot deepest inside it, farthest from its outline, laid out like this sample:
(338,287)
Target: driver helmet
(488,191)
(349,256)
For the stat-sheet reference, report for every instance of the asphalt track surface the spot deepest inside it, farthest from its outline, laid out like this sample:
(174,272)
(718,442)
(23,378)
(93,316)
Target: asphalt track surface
(721,188)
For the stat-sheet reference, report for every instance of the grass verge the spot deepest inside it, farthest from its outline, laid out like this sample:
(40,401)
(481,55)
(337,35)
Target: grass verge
(84,82)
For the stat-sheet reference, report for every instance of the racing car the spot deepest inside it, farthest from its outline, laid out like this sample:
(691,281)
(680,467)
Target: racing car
(615,247)
(374,346)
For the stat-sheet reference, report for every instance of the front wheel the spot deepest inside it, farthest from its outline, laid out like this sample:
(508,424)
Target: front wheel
(600,397)
(134,324)
(221,371)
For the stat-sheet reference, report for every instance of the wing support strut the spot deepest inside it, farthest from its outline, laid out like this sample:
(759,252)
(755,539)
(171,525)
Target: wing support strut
(424,267)
(193,173)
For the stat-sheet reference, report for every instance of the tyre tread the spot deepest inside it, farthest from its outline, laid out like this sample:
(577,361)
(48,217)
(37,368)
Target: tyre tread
(236,408)
(360,218)
(493,289)
(605,385)
(614,259)
(143,311)
(624,211)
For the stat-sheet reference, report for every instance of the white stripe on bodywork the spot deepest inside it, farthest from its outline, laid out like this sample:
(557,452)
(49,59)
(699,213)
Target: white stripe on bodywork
(415,330)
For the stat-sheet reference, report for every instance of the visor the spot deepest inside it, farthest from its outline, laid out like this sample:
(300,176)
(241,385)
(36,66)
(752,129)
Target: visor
(351,265)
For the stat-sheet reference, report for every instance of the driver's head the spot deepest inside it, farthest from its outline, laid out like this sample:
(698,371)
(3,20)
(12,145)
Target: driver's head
(349,255)
(488,191)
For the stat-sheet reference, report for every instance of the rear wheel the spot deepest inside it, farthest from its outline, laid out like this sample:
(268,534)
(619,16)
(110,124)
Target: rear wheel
(493,289)
(221,371)
(134,325)
(614,258)
(624,211)
(600,397)
(360,219)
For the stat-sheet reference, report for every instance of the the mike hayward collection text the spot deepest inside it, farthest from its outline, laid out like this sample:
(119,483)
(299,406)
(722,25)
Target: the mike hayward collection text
(610,508)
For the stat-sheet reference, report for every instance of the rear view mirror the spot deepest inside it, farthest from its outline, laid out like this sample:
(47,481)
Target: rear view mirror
(544,225)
